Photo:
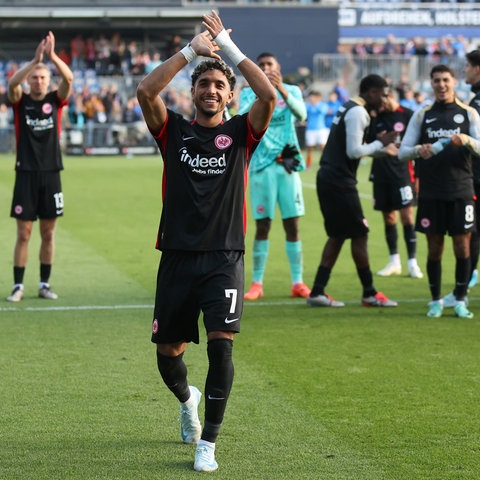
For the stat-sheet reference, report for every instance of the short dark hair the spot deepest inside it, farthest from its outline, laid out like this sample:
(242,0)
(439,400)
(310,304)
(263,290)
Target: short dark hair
(473,58)
(441,68)
(266,54)
(214,65)
(372,81)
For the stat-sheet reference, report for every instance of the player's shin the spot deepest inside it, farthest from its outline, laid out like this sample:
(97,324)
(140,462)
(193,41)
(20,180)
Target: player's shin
(218,385)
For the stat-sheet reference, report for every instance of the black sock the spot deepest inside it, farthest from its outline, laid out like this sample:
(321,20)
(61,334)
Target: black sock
(410,237)
(321,280)
(217,386)
(45,271)
(462,272)
(391,236)
(366,278)
(174,374)
(434,272)
(474,251)
(18,273)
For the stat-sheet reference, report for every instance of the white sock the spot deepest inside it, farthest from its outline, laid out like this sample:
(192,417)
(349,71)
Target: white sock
(208,444)
(412,262)
(395,259)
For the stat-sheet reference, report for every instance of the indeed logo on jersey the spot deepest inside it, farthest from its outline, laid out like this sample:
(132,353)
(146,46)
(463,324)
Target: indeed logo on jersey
(37,124)
(204,165)
(442,132)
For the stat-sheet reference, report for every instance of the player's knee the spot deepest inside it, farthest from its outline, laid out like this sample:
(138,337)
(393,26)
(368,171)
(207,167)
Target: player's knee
(263,228)
(24,234)
(169,366)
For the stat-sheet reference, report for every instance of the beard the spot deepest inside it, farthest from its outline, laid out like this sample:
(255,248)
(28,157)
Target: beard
(210,112)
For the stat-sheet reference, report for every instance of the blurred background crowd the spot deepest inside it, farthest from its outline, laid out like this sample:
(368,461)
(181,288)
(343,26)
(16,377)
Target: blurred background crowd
(103,109)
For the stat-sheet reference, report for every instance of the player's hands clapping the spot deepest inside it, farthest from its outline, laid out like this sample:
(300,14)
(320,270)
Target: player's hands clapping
(391,150)
(213,23)
(204,43)
(39,52)
(387,137)
(275,77)
(203,46)
(50,44)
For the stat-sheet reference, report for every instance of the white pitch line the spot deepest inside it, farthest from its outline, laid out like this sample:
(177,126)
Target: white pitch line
(131,307)
(72,307)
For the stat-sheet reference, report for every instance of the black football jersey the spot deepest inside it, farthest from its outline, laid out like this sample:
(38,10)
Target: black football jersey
(37,130)
(390,169)
(447,175)
(204,181)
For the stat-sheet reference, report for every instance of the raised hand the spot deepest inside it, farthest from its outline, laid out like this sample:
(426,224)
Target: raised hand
(205,46)
(213,23)
(50,44)
(39,52)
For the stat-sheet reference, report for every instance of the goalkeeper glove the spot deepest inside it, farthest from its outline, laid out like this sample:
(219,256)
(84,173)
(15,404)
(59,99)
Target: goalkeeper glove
(288,158)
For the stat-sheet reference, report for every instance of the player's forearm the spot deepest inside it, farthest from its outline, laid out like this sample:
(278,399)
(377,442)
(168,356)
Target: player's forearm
(297,107)
(266,96)
(410,147)
(156,81)
(63,68)
(472,144)
(408,152)
(257,80)
(21,74)
(65,87)
(357,149)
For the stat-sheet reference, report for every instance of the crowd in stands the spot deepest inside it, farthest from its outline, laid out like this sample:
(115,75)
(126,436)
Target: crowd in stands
(107,70)
(439,49)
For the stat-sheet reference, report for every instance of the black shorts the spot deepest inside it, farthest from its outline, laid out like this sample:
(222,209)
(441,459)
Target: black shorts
(342,211)
(191,282)
(37,195)
(454,217)
(388,197)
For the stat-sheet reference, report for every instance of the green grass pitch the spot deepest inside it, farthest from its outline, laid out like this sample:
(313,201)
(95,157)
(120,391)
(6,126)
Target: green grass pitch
(331,394)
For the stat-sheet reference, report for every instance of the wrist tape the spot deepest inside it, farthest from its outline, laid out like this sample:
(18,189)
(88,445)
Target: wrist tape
(224,41)
(189,53)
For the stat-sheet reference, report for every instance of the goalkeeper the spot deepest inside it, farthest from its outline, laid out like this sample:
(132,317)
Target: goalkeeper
(274,178)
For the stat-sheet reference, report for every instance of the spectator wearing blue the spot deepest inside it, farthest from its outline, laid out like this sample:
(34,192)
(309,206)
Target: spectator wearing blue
(333,104)
(316,132)
(409,100)
(341,91)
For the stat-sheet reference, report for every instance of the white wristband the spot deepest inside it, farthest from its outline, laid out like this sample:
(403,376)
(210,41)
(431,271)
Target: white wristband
(224,41)
(189,53)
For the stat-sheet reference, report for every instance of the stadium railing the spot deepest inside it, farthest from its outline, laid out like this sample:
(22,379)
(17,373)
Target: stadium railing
(96,139)
(329,68)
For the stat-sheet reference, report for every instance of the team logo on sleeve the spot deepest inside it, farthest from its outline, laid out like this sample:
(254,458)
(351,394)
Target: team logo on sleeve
(47,108)
(155,326)
(223,141)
